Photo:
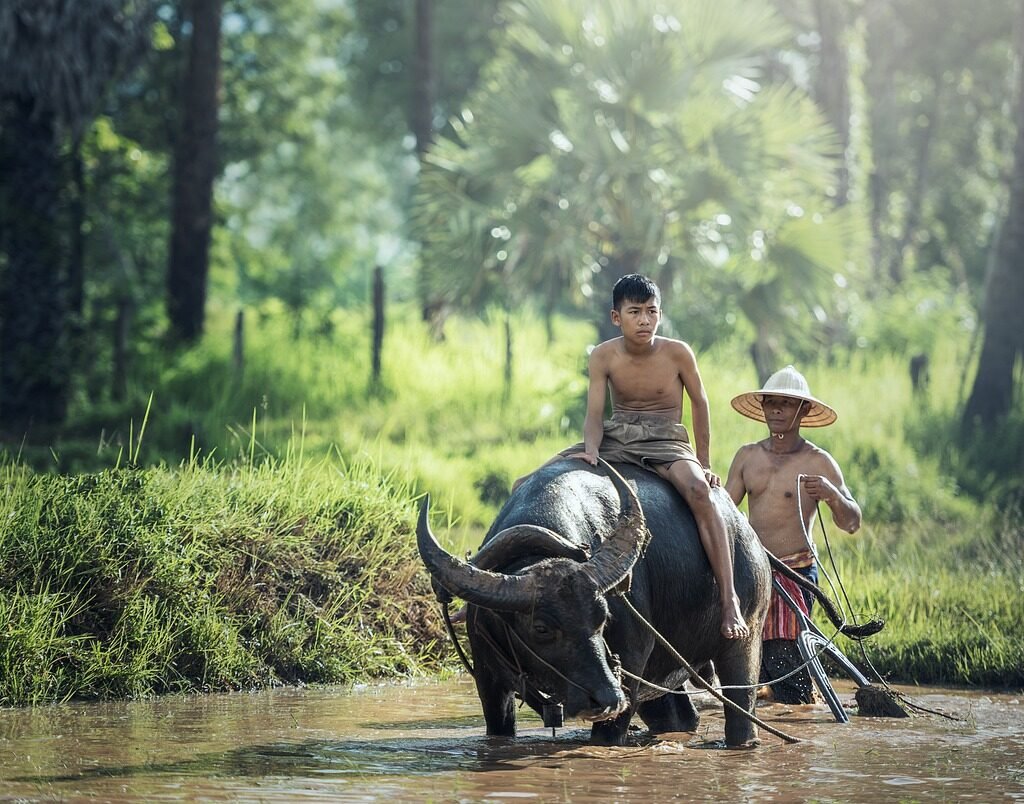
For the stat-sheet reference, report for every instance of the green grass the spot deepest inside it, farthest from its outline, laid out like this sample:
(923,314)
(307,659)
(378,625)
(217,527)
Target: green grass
(126,583)
(269,539)
(950,597)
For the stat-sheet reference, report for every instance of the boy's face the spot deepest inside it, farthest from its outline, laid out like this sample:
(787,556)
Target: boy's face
(638,320)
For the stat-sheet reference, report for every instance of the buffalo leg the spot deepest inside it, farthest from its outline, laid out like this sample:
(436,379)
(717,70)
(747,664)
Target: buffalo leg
(669,713)
(611,732)
(740,668)
(499,706)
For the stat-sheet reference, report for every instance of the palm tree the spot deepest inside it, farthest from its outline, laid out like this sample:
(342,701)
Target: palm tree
(611,137)
(56,60)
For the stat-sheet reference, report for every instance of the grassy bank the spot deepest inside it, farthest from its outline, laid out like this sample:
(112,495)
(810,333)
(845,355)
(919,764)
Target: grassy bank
(281,550)
(128,583)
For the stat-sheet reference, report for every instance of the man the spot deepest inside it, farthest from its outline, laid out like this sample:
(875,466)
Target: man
(783,477)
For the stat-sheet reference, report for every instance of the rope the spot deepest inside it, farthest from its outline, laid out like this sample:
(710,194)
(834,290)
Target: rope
(896,694)
(455,641)
(704,685)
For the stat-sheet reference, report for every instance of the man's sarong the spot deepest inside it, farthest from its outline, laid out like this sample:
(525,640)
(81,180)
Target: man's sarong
(782,622)
(642,439)
(779,654)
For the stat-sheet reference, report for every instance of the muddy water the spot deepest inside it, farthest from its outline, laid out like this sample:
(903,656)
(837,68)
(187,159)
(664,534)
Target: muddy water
(425,742)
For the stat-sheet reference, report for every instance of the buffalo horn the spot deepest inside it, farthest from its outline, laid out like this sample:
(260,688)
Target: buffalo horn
(618,553)
(492,590)
(520,541)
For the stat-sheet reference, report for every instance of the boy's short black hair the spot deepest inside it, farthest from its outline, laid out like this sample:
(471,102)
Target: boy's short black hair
(634,288)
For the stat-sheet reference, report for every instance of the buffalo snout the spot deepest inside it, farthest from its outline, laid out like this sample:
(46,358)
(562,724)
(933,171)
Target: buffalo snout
(603,705)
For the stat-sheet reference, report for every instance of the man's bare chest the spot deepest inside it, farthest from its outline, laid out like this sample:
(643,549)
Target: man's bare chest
(774,477)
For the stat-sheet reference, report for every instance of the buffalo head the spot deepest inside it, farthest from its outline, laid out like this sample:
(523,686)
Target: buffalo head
(540,607)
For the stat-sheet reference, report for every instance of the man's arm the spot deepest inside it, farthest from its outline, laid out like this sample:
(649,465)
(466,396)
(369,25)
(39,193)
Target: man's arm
(830,488)
(734,484)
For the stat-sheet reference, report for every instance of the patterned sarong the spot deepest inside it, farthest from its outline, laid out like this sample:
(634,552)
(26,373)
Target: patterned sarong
(782,622)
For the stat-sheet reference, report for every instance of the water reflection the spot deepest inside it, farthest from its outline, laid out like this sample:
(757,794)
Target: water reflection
(425,741)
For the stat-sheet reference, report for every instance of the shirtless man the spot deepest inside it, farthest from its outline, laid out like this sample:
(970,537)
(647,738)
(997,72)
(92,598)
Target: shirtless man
(647,376)
(783,477)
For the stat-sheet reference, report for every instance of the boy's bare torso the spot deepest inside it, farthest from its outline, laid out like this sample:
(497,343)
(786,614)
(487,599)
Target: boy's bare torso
(772,484)
(648,383)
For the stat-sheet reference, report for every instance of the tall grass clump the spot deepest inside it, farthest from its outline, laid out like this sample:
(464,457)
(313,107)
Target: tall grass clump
(950,596)
(130,582)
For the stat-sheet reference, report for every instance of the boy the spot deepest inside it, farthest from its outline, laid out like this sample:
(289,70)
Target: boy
(783,477)
(647,376)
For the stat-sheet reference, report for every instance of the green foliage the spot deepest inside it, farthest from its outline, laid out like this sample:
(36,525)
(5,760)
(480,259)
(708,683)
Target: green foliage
(609,137)
(209,577)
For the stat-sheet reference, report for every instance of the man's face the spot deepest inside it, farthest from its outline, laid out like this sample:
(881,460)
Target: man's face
(782,413)
(638,320)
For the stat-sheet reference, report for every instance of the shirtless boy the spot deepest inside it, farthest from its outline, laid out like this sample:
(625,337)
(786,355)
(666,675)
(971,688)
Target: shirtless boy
(783,477)
(647,376)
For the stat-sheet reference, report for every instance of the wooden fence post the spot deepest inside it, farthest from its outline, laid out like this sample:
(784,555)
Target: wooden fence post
(238,349)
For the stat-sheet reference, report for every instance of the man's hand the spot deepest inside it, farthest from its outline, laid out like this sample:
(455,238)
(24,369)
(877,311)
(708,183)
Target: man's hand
(589,457)
(820,488)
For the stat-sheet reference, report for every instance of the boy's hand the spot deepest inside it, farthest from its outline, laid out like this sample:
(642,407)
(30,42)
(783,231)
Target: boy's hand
(713,479)
(589,457)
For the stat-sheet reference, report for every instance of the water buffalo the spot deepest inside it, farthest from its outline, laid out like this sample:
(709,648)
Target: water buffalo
(545,623)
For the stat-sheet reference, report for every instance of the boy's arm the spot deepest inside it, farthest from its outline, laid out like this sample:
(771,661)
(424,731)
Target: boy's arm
(593,423)
(830,488)
(700,411)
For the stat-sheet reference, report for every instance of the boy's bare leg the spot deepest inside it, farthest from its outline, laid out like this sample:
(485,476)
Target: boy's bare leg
(689,481)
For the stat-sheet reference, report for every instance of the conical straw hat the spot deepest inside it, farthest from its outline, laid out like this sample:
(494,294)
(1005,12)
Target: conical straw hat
(786,382)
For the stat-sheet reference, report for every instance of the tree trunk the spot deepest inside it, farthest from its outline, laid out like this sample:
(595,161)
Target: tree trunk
(422,114)
(421,123)
(831,85)
(881,111)
(34,362)
(76,261)
(922,163)
(122,331)
(506,394)
(195,168)
(992,395)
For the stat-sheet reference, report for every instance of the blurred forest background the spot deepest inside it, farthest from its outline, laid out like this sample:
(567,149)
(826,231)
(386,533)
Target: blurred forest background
(234,220)
(272,269)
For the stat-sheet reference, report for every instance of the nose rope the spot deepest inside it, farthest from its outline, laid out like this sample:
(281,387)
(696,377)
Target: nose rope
(516,668)
(533,655)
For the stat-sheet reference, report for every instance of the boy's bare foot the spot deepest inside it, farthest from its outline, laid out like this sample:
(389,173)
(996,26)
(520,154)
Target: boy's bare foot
(733,624)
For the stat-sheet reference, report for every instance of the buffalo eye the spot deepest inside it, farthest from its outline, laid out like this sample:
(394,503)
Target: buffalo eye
(543,630)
